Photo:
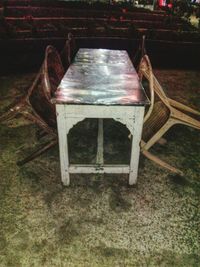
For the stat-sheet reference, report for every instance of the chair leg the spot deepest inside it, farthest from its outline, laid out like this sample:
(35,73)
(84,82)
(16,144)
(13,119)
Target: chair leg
(42,124)
(40,134)
(161,162)
(38,152)
(183,107)
(158,135)
(13,110)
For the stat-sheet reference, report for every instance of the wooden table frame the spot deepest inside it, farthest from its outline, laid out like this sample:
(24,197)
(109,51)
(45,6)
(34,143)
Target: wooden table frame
(69,115)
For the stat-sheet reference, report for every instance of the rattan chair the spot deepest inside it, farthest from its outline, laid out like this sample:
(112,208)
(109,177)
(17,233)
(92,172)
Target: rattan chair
(163,113)
(141,51)
(73,45)
(65,55)
(68,52)
(36,105)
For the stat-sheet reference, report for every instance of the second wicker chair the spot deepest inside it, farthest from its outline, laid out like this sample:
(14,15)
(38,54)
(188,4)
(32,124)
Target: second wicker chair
(163,113)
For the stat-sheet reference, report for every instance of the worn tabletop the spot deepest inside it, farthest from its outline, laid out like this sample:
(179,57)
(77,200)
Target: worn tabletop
(101,77)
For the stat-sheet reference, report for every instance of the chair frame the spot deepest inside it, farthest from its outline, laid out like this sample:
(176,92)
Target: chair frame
(176,112)
(68,51)
(141,51)
(25,108)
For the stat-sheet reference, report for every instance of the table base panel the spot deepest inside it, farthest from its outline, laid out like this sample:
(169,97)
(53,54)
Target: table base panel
(68,116)
(89,168)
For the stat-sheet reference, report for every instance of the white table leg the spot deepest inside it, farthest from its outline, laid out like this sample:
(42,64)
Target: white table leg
(63,144)
(100,159)
(135,146)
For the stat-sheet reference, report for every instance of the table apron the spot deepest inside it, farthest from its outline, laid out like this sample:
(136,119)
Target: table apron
(96,111)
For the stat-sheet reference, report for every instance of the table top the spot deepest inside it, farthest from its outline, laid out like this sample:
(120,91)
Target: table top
(101,77)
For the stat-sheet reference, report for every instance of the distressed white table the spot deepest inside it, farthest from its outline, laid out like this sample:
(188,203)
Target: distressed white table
(100,83)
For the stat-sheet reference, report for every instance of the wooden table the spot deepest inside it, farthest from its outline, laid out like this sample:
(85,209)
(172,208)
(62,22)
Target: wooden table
(100,83)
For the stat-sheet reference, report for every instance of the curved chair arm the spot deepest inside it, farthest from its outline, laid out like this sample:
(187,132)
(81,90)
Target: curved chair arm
(51,58)
(145,69)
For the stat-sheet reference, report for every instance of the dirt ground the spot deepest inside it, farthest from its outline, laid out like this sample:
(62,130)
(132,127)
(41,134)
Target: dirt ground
(99,220)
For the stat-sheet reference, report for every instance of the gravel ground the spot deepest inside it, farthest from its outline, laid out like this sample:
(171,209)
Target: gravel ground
(99,220)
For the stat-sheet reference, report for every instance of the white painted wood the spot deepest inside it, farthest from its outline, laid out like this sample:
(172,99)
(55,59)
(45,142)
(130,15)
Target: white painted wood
(63,144)
(100,159)
(96,111)
(136,132)
(131,117)
(75,168)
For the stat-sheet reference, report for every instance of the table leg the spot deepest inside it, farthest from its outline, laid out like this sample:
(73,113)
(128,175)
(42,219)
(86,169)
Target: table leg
(99,159)
(135,146)
(63,144)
